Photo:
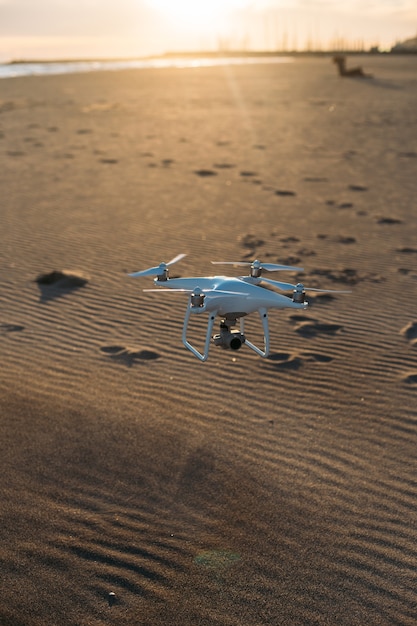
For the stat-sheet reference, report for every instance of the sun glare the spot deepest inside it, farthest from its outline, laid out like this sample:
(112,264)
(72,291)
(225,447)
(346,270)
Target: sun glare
(197,13)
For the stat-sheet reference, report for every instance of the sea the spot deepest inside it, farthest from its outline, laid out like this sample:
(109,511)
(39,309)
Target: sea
(41,68)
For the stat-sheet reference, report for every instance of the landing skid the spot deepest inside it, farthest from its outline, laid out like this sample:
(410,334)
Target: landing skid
(263,314)
(202,356)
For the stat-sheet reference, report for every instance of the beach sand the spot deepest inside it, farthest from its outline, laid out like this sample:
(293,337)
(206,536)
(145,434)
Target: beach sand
(240,491)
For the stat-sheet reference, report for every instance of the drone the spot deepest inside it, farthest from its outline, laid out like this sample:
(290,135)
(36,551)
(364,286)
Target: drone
(231,299)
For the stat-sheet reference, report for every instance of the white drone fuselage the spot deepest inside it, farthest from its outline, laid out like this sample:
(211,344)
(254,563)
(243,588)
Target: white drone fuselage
(231,299)
(244,294)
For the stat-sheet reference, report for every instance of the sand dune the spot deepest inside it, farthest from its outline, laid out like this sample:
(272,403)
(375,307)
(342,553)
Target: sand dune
(242,490)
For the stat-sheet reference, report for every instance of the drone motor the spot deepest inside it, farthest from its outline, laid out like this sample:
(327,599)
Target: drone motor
(256,269)
(197,299)
(163,276)
(299,294)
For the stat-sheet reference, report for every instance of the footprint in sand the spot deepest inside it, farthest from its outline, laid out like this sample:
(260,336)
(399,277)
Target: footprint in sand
(224,166)
(292,259)
(347,276)
(305,252)
(10,328)
(408,155)
(205,173)
(410,379)
(345,239)
(410,332)
(310,327)
(407,250)
(252,242)
(129,356)
(248,174)
(357,188)
(285,192)
(62,279)
(109,161)
(289,239)
(57,283)
(285,361)
(388,220)
(293,361)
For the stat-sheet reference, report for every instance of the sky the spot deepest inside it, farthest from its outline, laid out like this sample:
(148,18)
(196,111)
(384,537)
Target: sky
(58,29)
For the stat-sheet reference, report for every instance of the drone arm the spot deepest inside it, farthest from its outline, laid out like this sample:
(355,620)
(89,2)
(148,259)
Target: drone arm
(202,356)
(263,314)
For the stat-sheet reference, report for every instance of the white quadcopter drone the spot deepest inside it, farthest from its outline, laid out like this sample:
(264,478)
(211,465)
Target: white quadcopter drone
(230,298)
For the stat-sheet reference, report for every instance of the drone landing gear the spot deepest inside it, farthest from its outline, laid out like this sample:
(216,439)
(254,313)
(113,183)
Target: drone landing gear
(227,338)
(263,314)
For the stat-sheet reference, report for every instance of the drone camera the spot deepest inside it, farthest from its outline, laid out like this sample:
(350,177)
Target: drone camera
(236,341)
(232,339)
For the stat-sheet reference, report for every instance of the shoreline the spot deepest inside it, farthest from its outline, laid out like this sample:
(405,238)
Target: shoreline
(20,68)
(214,54)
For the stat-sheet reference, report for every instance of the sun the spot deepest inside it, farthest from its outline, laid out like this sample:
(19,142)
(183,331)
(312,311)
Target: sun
(196,12)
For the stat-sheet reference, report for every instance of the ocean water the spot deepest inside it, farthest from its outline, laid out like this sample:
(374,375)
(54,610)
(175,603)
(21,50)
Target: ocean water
(11,70)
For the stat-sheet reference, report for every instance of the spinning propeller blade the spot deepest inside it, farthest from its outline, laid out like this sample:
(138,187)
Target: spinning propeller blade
(277,283)
(158,269)
(300,286)
(175,259)
(269,267)
(198,291)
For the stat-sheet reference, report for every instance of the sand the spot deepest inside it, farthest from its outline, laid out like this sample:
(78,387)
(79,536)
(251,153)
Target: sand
(240,491)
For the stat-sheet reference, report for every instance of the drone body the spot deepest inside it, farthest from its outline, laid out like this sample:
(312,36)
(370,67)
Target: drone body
(231,299)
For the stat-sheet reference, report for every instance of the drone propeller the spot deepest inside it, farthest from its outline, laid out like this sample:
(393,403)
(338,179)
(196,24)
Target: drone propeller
(198,292)
(257,267)
(299,287)
(198,296)
(158,270)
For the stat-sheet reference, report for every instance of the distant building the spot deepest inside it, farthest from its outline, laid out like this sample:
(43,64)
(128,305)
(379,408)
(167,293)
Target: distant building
(407,46)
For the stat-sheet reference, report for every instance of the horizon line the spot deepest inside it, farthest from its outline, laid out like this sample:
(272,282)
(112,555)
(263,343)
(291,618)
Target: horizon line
(210,54)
